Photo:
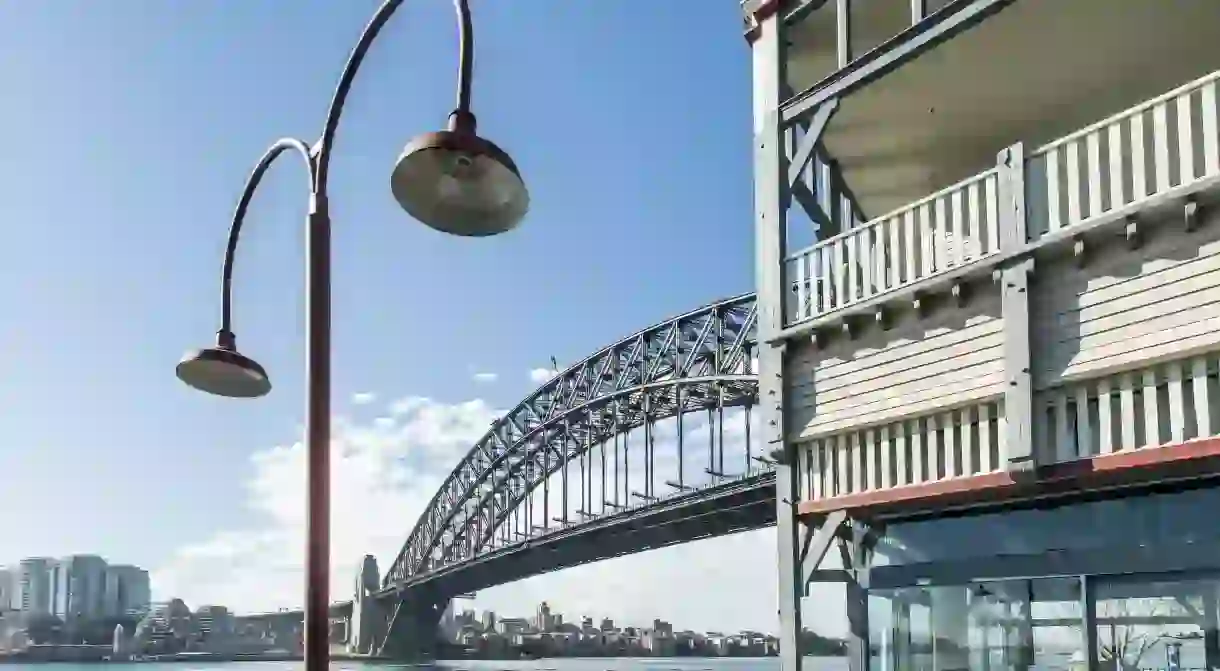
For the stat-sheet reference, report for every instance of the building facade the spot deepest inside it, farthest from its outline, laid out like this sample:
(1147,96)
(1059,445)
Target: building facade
(8,589)
(78,587)
(127,591)
(34,585)
(987,248)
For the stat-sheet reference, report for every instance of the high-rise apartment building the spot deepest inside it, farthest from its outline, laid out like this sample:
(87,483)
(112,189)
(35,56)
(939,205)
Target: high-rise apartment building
(78,587)
(33,593)
(8,583)
(127,590)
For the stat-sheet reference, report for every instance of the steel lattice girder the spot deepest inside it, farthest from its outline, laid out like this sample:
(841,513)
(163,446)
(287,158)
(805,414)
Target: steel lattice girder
(708,350)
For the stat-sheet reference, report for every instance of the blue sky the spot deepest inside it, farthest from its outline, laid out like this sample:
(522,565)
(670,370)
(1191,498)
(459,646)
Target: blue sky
(130,128)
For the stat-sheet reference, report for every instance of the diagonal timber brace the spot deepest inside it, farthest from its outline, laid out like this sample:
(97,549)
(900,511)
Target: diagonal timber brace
(813,135)
(817,543)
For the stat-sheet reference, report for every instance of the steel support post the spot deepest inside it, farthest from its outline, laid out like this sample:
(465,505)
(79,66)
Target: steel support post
(769,243)
(1014,300)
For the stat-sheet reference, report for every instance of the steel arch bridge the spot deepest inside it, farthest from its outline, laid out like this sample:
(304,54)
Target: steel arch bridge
(501,495)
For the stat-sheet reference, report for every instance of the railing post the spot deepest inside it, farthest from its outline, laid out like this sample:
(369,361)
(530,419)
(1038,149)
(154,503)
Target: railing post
(1020,454)
(770,196)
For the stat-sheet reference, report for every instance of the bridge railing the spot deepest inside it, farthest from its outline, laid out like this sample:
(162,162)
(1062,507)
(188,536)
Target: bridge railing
(1161,149)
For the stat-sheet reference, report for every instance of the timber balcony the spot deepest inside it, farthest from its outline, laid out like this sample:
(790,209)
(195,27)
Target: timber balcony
(905,332)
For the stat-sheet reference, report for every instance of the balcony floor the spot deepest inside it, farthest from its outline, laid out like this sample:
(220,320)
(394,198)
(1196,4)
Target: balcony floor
(1036,70)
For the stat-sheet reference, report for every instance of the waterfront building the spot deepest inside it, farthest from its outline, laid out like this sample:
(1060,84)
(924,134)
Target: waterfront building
(8,589)
(33,587)
(214,624)
(127,590)
(987,254)
(542,620)
(509,626)
(78,587)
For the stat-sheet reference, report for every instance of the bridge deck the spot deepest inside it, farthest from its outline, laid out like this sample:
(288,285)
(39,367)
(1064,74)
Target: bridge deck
(1098,342)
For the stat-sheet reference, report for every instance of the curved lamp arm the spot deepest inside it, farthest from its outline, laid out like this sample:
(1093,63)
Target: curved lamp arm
(225,337)
(317,158)
(465,68)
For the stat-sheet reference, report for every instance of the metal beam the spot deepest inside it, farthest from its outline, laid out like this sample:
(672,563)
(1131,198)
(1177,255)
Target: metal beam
(904,47)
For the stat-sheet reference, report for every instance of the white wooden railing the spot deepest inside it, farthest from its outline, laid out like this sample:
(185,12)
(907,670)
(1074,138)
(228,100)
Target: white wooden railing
(953,443)
(1160,404)
(1166,143)
(949,229)
(1165,403)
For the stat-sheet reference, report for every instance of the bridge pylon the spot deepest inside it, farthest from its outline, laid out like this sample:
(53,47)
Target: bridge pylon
(413,627)
(369,616)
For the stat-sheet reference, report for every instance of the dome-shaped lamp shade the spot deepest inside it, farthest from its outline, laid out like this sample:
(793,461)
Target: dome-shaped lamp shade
(224,372)
(459,183)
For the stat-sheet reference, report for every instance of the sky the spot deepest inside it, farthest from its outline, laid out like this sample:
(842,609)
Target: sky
(130,128)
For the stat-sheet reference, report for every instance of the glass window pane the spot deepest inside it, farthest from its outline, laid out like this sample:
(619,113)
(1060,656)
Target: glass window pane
(1150,622)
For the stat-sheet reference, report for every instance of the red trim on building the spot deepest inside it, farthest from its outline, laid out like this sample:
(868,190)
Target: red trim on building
(1142,466)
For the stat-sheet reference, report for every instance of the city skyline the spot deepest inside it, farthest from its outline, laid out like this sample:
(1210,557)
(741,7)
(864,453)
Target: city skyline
(434,337)
(74,586)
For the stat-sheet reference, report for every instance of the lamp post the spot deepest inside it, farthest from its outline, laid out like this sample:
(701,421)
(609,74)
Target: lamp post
(451,180)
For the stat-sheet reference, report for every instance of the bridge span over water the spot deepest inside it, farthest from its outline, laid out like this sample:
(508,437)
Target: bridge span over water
(648,442)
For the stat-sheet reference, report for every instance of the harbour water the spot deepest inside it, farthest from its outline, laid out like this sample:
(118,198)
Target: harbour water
(564,664)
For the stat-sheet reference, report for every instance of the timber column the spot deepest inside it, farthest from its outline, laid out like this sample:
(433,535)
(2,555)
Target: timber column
(764,31)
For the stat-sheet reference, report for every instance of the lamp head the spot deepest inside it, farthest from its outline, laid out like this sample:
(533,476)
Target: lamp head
(223,371)
(457,182)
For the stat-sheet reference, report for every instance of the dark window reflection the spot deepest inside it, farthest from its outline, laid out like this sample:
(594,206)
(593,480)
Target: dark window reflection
(1133,623)
(1146,521)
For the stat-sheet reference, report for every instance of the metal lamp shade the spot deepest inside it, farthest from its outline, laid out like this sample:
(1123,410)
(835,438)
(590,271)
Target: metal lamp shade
(223,372)
(459,183)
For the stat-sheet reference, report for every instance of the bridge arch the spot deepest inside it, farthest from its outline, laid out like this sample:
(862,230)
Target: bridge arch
(694,361)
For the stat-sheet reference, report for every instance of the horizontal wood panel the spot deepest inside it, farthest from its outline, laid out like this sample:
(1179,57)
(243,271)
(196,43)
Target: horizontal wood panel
(951,357)
(1132,306)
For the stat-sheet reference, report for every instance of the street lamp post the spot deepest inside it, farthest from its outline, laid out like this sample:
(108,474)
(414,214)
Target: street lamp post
(451,180)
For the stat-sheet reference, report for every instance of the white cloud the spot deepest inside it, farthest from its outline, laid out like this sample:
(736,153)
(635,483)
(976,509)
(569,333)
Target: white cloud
(363,398)
(540,375)
(384,471)
(485,377)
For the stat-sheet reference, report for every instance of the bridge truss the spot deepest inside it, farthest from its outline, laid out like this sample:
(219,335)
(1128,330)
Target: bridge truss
(611,434)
